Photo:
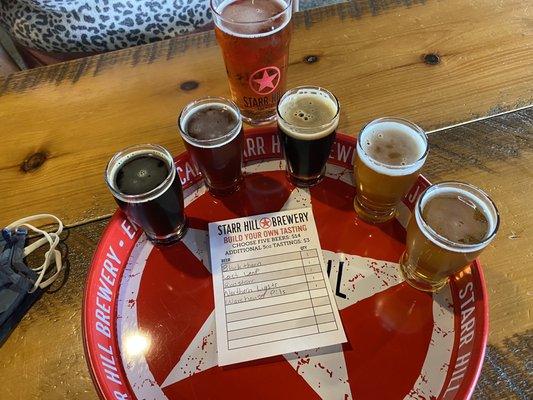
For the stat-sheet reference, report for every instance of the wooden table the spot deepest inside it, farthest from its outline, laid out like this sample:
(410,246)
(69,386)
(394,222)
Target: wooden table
(442,64)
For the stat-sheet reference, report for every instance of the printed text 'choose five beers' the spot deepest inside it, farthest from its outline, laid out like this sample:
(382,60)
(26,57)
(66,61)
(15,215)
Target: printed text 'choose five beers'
(254,37)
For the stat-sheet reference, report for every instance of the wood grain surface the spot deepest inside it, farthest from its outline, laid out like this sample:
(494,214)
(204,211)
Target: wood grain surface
(44,358)
(438,63)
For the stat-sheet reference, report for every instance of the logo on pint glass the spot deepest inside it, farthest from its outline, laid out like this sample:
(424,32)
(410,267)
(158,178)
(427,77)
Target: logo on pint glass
(264,223)
(265,80)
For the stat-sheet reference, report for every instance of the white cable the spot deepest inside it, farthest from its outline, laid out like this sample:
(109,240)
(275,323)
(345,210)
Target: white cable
(52,256)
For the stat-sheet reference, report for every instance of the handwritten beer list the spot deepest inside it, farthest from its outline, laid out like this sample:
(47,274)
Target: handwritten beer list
(272,295)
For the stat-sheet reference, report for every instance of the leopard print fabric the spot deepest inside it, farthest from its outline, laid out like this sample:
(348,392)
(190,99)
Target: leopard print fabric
(99,25)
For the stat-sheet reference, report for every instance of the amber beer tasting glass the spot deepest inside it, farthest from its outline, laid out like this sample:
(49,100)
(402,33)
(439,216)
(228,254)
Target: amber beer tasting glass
(390,153)
(212,131)
(451,224)
(254,37)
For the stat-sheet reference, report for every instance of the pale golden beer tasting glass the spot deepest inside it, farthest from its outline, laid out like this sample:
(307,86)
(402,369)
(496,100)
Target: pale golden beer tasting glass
(451,224)
(389,155)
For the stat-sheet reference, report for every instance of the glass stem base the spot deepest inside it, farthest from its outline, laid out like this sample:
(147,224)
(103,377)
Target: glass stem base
(417,281)
(170,238)
(372,215)
(219,192)
(259,122)
(304,183)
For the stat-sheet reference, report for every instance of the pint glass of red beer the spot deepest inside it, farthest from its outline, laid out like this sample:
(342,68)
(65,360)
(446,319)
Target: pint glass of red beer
(254,36)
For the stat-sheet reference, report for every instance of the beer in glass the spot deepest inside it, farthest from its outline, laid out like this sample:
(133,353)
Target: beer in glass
(254,37)
(451,224)
(145,185)
(389,155)
(308,117)
(212,130)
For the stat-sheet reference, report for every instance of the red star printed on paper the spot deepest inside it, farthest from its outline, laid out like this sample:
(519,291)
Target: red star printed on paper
(265,223)
(265,80)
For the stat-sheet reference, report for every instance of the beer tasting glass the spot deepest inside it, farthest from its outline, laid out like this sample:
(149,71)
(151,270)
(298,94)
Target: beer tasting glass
(213,134)
(254,37)
(308,117)
(451,224)
(389,155)
(146,186)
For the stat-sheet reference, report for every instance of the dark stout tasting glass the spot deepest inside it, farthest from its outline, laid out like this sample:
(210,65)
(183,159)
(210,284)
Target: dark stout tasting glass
(146,186)
(308,117)
(212,131)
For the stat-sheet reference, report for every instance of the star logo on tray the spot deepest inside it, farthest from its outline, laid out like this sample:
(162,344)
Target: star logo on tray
(265,80)
(359,283)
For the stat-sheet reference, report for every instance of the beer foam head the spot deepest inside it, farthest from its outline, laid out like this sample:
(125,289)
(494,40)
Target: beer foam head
(308,113)
(214,140)
(468,194)
(392,146)
(252,18)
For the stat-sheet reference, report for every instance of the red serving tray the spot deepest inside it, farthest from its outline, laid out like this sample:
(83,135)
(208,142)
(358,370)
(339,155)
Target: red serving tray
(148,319)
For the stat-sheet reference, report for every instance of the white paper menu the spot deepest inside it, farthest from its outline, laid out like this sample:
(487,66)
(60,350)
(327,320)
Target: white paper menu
(272,293)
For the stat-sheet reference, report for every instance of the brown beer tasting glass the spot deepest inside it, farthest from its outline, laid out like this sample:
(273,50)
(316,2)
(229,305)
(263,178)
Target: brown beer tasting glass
(308,117)
(254,37)
(213,134)
(389,155)
(451,224)
(146,187)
